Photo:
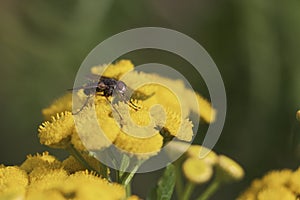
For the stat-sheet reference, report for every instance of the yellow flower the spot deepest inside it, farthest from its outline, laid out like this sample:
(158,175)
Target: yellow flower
(72,165)
(228,169)
(282,184)
(40,160)
(196,170)
(84,185)
(194,152)
(140,147)
(281,177)
(294,181)
(96,132)
(61,104)
(57,132)
(113,70)
(276,193)
(169,93)
(45,183)
(206,112)
(81,185)
(42,177)
(13,183)
(144,131)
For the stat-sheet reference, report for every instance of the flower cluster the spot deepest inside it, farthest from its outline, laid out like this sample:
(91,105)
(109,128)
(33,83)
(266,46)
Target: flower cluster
(198,170)
(279,184)
(164,106)
(44,177)
(171,116)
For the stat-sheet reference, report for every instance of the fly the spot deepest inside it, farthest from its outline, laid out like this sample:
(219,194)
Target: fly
(107,87)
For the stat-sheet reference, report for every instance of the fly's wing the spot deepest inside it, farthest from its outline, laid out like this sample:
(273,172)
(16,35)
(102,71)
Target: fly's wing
(91,85)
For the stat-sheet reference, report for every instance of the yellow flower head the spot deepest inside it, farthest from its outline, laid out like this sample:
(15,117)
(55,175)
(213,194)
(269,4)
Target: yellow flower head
(61,104)
(294,182)
(13,183)
(40,160)
(43,177)
(57,132)
(228,169)
(72,165)
(45,181)
(194,152)
(141,147)
(81,185)
(196,170)
(84,185)
(95,127)
(283,184)
(277,177)
(113,70)
(276,193)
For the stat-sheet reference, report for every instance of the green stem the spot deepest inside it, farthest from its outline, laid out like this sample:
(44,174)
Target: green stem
(104,171)
(179,183)
(128,190)
(127,176)
(79,157)
(213,187)
(188,191)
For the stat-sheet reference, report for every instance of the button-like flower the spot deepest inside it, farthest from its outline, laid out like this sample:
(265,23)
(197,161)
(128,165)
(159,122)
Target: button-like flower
(196,170)
(228,169)
(40,160)
(277,184)
(13,183)
(57,132)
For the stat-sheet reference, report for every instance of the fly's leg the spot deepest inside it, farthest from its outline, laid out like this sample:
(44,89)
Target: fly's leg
(121,118)
(84,105)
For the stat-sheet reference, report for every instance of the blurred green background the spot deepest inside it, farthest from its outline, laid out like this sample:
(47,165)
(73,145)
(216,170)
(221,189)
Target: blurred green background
(255,44)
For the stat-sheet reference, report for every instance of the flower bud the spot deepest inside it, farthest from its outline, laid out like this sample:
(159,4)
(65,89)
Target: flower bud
(196,170)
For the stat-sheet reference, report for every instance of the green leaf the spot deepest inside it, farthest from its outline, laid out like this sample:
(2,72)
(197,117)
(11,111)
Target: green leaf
(165,185)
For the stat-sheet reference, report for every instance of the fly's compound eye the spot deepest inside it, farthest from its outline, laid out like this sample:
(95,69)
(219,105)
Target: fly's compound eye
(121,87)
